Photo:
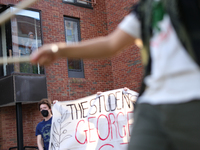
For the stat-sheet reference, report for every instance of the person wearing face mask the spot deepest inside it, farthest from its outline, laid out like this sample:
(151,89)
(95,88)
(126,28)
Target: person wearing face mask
(44,127)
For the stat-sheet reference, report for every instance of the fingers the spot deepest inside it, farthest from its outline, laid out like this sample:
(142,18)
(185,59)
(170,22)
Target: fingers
(46,60)
(99,93)
(35,56)
(126,89)
(55,101)
(45,55)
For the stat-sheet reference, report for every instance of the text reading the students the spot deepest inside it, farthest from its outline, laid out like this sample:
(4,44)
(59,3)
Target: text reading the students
(94,122)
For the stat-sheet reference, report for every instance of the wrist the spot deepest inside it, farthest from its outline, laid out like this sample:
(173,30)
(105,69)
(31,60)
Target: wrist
(58,48)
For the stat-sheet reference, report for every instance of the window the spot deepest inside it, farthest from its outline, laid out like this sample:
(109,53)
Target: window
(19,37)
(72,35)
(84,3)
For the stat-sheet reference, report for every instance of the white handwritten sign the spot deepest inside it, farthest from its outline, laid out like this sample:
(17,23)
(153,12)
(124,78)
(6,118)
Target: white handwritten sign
(93,123)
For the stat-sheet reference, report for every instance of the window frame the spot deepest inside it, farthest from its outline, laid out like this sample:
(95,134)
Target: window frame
(40,13)
(75,73)
(5,7)
(79,4)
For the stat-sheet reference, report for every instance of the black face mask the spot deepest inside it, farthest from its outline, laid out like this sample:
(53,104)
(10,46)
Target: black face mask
(45,113)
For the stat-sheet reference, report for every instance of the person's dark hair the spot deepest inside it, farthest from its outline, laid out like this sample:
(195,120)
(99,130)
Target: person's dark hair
(44,101)
(136,10)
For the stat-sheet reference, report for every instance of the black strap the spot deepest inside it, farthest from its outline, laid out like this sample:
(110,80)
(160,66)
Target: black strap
(190,15)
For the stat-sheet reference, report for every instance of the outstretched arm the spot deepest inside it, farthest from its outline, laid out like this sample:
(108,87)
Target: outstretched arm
(40,142)
(95,48)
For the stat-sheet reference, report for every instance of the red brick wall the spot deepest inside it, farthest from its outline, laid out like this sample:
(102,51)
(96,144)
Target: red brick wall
(93,24)
(31,117)
(126,66)
(8,134)
(8,128)
(100,75)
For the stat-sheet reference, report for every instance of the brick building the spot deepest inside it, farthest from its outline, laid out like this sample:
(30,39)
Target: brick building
(62,20)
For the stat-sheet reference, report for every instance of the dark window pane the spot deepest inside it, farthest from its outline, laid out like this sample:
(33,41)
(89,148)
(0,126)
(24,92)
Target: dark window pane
(74,64)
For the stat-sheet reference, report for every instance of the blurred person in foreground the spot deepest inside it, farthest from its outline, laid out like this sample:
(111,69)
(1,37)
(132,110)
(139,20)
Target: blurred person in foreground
(167,114)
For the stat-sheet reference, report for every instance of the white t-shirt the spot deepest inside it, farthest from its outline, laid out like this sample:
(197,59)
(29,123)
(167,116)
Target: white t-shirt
(175,77)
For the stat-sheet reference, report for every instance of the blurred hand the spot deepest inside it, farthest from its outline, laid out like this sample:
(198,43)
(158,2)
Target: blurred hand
(99,93)
(45,55)
(55,101)
(126,89)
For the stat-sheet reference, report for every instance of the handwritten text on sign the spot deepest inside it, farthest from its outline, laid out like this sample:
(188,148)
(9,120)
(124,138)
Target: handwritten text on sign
(93,123)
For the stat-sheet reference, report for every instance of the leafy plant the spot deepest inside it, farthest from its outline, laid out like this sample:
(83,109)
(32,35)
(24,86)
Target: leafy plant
(59,132)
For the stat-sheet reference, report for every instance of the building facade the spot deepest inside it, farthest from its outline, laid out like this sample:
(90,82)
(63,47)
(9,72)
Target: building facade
(49,21)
